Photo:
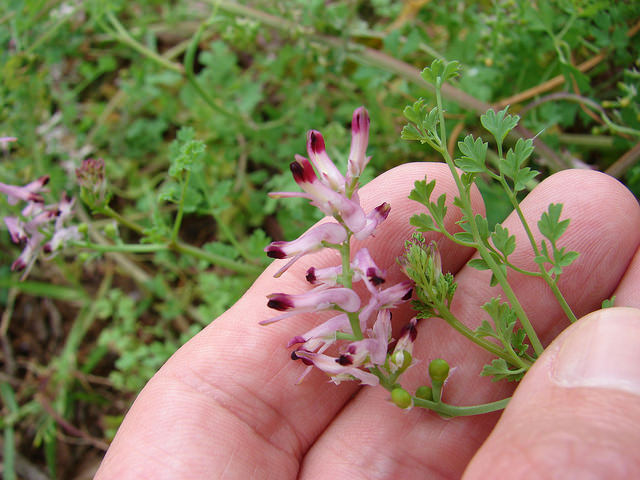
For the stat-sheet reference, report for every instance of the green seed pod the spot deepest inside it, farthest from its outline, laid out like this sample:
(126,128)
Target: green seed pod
(111,230)
(401,397)
(438,370)
(424,392)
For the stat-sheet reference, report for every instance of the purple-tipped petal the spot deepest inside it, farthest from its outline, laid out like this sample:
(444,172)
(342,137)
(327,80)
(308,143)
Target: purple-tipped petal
(312,301)
(359,141)
(311,241)
(404,345)
(27,193)
(336,369)
(16,229)
(61,238)
(323,335)
(374,218)
(29,253)
(280,301)
(327,276)
(327,170)
(4,141)
(325,198)
(368,270)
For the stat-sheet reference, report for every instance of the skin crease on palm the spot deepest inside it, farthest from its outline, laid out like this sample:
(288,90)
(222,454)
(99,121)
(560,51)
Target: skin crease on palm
(226,404)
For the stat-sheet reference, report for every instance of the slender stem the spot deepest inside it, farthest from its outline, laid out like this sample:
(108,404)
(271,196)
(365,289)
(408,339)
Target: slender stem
(123,35)
(216,259)
(461,411)
(109,212)
(188,70)
(226,231)
(482,250)
(182,247)
(551,282)
(450,318)
(436,391)
(178,220)
(127,248)
(347,282)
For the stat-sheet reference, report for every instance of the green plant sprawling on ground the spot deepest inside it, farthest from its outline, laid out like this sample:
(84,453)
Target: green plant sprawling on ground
(139,140)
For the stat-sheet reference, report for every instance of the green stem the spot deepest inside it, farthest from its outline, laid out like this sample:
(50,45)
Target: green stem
(49,32)
(189,60)
(482,250)
(461,411)
(347,281)
(182,247)
(551,282)
(127,248)
(450,318)
(109,212)
(178,220)
(216,259)
(123,36)
(226,231)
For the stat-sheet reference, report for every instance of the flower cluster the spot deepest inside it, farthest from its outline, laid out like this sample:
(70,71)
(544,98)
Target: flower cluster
(356,342)
(38,227)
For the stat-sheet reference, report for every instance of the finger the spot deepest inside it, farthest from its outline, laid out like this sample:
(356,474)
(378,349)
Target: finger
(628,292)
(227,400)
(418,444)
(575,414)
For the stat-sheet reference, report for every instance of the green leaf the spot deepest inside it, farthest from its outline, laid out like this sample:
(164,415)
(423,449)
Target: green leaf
(474,154)
(499,124)
(504,243)
(609,302)
(413,113)
(464,237)
(550,225)
(499,370)
(424,223)
(511,166)
(438,209)
(184,152)
(422,191)
(410,132)
(483,227)
(440,71)
(478,264)
(485,330)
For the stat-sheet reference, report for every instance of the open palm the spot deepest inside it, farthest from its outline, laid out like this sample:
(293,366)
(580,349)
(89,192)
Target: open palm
(226,404)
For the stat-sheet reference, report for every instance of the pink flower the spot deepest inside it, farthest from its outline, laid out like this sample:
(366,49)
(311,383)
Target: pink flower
(5,141)
(386,299)
(329,201)
(29,253)
(322,335)
(312,301)
(359,142)
(311,241)
(329,173)
(339,369)
(374,218)
(366,269)
(404,346)
(37,222)
(27,193)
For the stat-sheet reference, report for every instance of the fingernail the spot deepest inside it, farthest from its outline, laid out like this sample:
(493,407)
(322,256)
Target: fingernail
(603,351)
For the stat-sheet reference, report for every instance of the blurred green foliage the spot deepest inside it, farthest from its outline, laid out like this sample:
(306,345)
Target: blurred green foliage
(197,109)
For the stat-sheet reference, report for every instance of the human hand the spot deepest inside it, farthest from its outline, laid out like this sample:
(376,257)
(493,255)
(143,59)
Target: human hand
(226,404)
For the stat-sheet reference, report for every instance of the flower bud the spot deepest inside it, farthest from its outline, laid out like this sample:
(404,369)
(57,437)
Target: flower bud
(91,178)
(401,398)
(438,370)
(424,392)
